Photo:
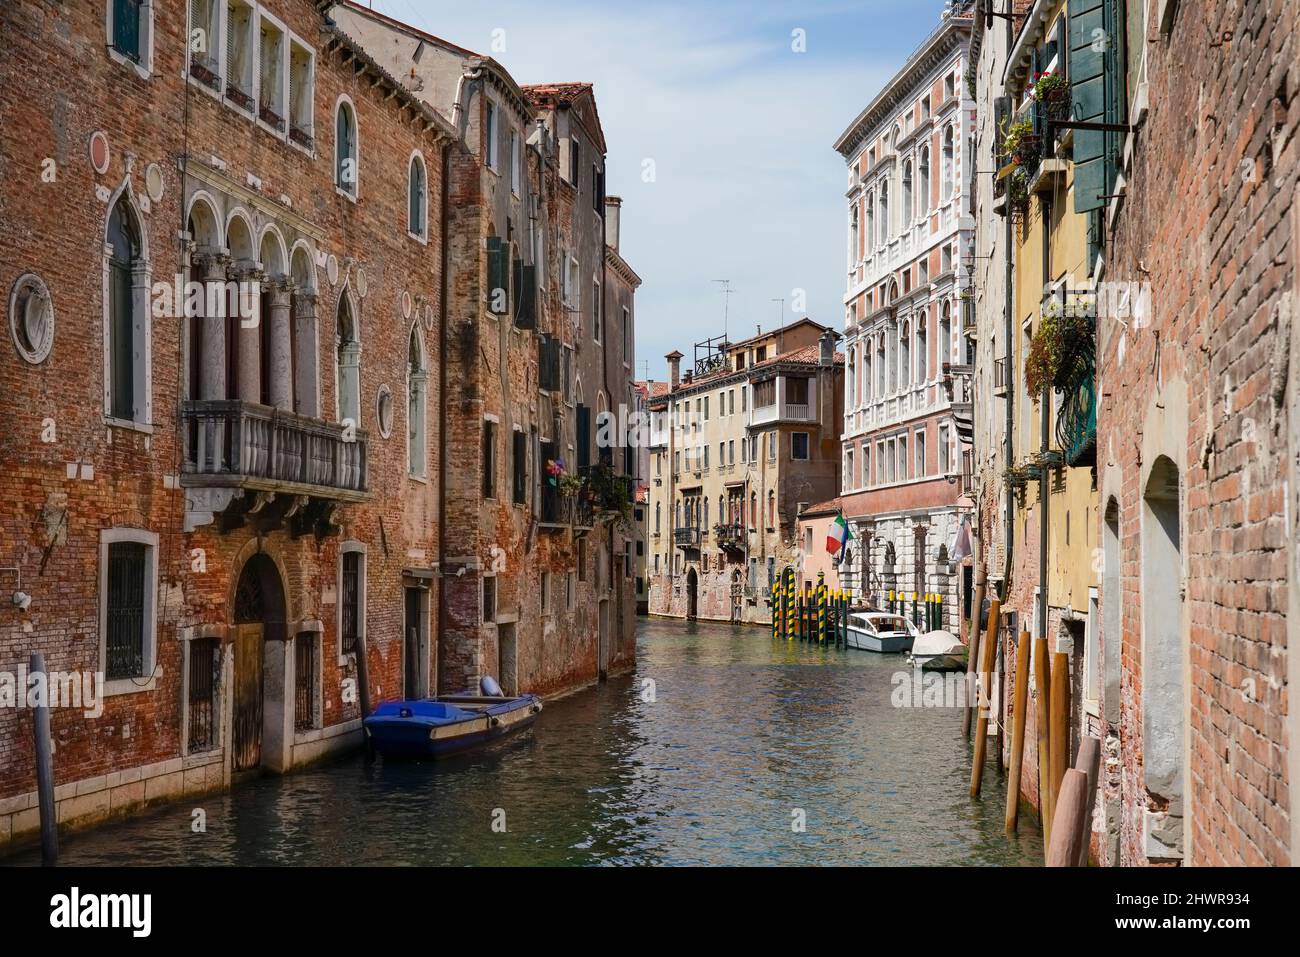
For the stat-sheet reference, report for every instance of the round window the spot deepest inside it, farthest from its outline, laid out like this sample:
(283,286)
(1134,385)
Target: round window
(31,318)
(384,406)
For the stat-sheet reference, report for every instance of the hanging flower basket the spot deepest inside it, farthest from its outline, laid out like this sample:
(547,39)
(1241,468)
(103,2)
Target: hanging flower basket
(1062,343)
(1052,92)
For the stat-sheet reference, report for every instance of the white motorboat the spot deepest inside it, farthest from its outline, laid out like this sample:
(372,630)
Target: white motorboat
(939,651)
(881,631)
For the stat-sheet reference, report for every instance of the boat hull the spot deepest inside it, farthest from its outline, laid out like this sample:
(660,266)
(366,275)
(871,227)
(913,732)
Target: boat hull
(439,727)
(885,644)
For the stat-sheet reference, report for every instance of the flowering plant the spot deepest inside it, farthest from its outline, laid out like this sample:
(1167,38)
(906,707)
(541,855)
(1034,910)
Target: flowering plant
(1048,86)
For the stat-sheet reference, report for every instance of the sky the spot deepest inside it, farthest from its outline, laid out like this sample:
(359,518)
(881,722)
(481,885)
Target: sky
(743,182)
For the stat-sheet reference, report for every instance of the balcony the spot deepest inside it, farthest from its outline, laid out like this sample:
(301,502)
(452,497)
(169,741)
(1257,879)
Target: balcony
(730,536)
(686,537)
(1076,421)
(241,457)
(561,509)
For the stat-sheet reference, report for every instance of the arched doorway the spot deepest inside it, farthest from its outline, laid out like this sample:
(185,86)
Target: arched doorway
(737,595)
(692,593)
(259,617)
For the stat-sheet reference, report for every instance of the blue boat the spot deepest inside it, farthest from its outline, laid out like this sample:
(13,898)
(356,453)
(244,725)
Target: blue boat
(447,724)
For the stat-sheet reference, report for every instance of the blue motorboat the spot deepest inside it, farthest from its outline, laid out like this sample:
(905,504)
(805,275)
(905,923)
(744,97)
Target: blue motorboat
(447,724)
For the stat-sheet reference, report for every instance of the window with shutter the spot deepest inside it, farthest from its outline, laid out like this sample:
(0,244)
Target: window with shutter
(520,468)
(498,276)
(126,28)
(124,641)
(1096,91)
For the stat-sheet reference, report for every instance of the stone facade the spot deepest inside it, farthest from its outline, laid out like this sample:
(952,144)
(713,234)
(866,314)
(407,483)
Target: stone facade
(907,400)
(737,446)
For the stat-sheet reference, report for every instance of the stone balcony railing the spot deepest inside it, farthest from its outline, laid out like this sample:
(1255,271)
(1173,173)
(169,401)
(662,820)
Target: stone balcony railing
(233,448)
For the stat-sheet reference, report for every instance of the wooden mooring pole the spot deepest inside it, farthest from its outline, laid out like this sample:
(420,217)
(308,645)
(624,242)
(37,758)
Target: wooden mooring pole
(1042,720)
(45,767)
(972,653)
(982,724)
(1060,725)
(1069,824)
(1088,761)
(1019,702)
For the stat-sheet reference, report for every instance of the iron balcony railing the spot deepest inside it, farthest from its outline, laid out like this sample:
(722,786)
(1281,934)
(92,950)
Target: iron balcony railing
(561,509)
(244,444)
(688,537)
(1001,374)
(730,535)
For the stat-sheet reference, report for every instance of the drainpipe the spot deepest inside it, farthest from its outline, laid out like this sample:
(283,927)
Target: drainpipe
(1008,318)
(457,107)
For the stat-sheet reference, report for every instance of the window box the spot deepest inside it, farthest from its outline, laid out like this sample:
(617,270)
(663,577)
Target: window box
(271,118)
(239,97)
(204,73)
(302,138)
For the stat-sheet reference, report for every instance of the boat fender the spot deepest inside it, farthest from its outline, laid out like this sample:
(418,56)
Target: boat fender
(495,721)
(537,709)
(490,687)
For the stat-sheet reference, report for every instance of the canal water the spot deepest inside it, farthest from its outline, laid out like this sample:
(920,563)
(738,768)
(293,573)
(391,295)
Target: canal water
(745,739)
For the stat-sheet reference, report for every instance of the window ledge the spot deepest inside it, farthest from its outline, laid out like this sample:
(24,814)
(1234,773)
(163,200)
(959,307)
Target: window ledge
(422,240)
(141,68)
(121,686)
(344,193)
(116,423)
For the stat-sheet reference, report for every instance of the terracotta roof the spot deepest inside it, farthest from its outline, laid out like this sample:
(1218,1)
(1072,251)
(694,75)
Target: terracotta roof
(808,355)
(557,92)
(829,507)
(642,494)
(654,387)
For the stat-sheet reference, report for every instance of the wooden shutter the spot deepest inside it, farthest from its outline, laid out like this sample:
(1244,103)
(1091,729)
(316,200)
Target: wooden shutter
(584,436)
(498,275)
(520,468)
(1094,54)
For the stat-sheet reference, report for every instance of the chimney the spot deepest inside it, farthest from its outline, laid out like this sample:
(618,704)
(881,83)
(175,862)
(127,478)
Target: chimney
(827,341)
(674,367)
(613,204)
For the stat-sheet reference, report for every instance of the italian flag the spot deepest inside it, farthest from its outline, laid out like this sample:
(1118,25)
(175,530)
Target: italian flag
(838,535)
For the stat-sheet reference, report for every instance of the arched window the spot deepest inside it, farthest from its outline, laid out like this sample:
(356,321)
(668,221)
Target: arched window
(870,232)
(125,315)
(904,355)
(345,149)
(853,235)
(658,515)
(882,384)
(906,211)
(417,199)
(416,377)
(866,372)
(923,183)
(771,509)
(947,164)
(753,510)
(884,212)
(921,322)
(348,362)
(945,333)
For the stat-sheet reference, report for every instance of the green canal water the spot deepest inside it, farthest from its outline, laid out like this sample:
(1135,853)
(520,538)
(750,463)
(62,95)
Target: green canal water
(743,738)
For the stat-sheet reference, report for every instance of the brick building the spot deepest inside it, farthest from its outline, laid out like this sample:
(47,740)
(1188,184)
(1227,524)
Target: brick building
(193,505)
(227,510)
(1197,428)
(907,384)
(738,445)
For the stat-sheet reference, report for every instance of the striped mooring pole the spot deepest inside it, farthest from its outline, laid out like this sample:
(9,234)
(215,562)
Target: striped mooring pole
(789,604)
(821,608)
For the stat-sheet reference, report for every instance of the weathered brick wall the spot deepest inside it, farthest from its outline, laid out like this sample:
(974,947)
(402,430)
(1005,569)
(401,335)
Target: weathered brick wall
(55,82)
(1204,220)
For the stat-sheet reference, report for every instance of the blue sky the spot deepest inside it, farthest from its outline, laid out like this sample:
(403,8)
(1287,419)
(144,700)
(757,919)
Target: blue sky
(739,127)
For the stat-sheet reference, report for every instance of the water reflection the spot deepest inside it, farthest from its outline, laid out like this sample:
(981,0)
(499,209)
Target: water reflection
(743,734)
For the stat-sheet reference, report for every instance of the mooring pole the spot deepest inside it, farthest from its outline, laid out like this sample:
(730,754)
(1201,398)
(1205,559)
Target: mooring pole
(1018,731)
(1043,721)
(982,724)
(45,767)
(972,656)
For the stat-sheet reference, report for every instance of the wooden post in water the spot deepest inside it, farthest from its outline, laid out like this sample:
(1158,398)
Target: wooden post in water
(972,652)
(982,725)
(44,766)
(1019,702)
(1069,824)
(1042,712)
(1088,761)
(1060,727)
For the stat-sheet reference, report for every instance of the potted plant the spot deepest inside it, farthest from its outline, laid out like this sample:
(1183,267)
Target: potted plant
(1060,341)
(1017,139)
(1052,92)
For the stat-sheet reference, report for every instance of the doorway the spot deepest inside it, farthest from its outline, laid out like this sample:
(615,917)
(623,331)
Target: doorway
(508,658)
(692,594)
(259,619)
(415,639)
(737,596)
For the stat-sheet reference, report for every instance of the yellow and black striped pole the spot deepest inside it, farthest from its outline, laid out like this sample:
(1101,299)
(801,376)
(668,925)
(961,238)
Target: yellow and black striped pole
(776,613)
(821,607)
(938,611)
(789,604)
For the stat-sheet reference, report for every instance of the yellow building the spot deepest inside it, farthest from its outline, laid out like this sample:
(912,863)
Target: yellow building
(1050,372)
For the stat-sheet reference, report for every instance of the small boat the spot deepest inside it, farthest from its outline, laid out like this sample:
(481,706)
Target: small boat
(939,651)
(447,724)
(881,631)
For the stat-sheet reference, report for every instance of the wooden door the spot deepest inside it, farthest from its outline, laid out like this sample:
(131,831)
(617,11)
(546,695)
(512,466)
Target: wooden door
(247,744)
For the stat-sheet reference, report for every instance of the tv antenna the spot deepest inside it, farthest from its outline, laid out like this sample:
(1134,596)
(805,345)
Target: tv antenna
(726,302)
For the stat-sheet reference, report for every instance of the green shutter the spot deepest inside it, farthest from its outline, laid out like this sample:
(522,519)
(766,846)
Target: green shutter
(1088,101)
(498,263)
